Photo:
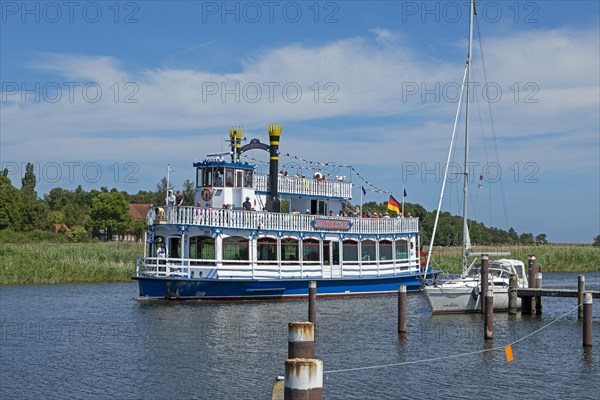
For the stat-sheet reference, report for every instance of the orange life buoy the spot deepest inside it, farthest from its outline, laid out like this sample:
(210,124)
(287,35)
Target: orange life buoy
(206,194)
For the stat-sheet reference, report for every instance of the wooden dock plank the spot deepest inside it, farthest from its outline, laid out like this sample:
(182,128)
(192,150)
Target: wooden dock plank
(554,292)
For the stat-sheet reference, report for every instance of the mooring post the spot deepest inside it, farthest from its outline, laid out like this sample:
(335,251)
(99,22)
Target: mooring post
(580,290)
(538,299)
(531,282)
(489,314)
(513,284)
(312,302)
(303,379)
(402,309)
(587,319)
(484,280)
(301,340)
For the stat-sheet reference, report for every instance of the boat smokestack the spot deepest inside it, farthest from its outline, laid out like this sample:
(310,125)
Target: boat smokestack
(273,204)
(235,142)
(238,144)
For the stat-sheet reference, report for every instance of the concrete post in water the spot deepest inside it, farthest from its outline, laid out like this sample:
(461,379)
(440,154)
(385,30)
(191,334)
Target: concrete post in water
(580,290)
(489,314)
(484,280)
(301,340)
(538,299)
(587,319)
(402,309)
(303,379)
(513,284)
(312,302)
(531,281)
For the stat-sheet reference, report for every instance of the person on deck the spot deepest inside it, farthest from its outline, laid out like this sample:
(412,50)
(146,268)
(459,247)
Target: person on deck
(247,206)
(179,198)
(170,200)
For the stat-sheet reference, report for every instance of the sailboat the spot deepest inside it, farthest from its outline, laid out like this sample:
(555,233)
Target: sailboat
(463,295)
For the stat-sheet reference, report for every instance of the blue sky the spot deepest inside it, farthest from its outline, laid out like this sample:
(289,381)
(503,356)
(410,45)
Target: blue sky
(109,93)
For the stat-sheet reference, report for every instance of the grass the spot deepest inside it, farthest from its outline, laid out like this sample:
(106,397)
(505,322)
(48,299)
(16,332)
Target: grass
(45,261)
(52,262)
(550,258)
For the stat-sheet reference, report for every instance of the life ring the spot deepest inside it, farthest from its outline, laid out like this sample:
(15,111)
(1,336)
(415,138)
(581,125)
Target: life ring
(206,194)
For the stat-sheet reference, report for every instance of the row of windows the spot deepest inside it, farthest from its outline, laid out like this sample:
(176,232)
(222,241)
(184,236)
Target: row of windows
(221,176)
(237,249)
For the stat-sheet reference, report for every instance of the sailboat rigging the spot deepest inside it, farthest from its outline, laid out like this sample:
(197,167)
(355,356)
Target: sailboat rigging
(463,294)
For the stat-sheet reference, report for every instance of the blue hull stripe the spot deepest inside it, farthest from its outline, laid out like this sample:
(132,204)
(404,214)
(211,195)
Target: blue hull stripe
(230,289)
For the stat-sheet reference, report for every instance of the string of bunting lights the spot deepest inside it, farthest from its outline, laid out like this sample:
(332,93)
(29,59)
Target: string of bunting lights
(317,166)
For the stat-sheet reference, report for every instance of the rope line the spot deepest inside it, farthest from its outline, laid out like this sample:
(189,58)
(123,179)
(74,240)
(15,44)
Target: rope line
(335,371)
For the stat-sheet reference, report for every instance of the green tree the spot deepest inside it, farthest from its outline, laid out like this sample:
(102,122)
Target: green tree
(34,212)
(188,193)
(161,191)
(10,204)
(541,239)
(597,241)
(526,238)
(29,181)
(109,214)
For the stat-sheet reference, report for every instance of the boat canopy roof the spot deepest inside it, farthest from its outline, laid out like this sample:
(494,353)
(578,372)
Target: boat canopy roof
(218,163)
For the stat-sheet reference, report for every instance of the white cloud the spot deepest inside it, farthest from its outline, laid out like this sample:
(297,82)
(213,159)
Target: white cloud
(368,77)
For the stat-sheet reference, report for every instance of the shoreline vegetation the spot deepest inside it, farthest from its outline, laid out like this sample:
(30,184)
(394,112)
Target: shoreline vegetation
(27,259)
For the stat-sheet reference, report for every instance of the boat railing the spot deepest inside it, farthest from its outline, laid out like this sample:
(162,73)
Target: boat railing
(263,220)
(160,266)
(306,186)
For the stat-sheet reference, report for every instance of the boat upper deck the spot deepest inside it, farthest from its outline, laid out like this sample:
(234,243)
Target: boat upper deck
(269,221)
(296,185)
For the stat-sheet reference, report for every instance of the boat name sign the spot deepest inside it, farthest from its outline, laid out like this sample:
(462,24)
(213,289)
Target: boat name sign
(331,224)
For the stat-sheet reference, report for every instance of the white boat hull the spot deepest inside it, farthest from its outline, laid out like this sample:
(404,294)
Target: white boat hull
(448,300)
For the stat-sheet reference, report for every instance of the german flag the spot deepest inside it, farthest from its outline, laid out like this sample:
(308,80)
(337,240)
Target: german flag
(393,205)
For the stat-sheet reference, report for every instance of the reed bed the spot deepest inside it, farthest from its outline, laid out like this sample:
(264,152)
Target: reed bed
(550,258)
(54,262)
(51,262)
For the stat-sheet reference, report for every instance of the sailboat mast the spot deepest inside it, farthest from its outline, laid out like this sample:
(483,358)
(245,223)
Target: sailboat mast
(466,240)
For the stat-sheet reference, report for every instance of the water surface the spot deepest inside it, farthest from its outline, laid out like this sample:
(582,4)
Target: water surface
(98,341)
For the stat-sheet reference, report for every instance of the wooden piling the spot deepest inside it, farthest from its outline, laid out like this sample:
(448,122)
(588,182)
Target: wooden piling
(587,319)
(513,284)
(402,298)
(580,290)
(484,280)
(489,314)
(538,299)
(303,379)
(312,302)
(301,340)
(531,283)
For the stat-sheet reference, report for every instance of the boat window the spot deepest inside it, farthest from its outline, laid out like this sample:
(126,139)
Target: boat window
(401,249)
(318,207)
(202,247)
(229,175)
(207,177)
(248,179)
(310,250)
(289,249)
(157,242)
(199,174)
(235,249)
(174,247)
(266,249)
(335,248)
(385,250)
(368,250)
(350,250)
(219,177)
(239,178)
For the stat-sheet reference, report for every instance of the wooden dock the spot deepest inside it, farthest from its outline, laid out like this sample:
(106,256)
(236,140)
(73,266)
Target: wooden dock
(538,292)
